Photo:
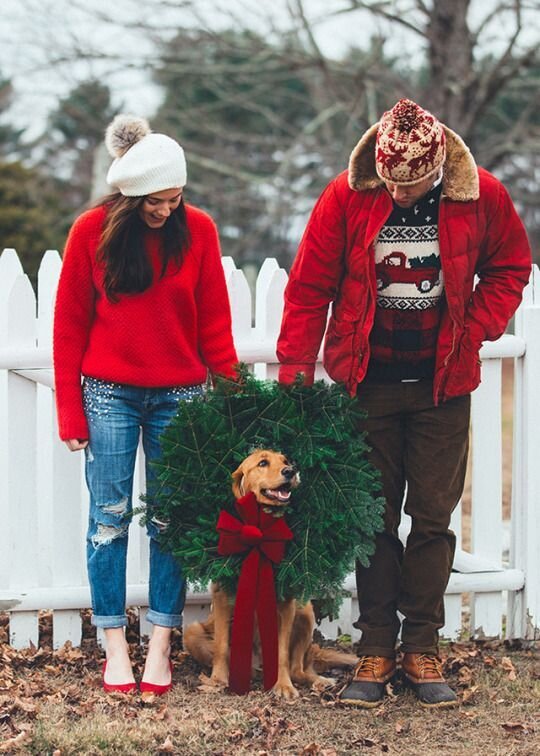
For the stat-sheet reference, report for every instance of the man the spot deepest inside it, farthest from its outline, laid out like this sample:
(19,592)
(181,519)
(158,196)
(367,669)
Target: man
(395,243)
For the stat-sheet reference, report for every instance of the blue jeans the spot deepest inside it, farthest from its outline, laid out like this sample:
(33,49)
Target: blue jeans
(116,413)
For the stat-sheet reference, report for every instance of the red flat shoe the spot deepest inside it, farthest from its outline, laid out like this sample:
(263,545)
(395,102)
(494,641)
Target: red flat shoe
(157,690)
(123,688)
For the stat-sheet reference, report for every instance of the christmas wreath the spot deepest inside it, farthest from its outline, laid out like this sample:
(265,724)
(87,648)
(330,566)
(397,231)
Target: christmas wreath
(334,514)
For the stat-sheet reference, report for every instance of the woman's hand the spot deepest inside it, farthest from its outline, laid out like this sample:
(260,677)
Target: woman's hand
(76,444)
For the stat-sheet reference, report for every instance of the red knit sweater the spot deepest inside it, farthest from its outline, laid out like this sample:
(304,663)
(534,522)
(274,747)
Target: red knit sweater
(172,334)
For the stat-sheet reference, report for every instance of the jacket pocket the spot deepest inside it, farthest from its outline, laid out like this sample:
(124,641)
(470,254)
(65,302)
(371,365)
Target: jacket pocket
(338,355)
(464,369)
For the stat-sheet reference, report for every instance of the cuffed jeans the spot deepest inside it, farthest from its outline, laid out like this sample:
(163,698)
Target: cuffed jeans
(420,449)
(116,414)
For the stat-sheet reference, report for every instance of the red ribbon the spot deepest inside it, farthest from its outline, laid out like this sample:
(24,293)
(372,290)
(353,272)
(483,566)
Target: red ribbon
(263,536)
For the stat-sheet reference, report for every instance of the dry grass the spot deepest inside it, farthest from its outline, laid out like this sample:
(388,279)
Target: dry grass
(52,703)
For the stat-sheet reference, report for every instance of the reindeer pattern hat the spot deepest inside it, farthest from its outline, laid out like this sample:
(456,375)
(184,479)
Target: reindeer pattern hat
(410,146)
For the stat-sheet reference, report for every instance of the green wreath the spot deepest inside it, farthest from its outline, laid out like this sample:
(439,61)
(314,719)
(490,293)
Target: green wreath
(334,514)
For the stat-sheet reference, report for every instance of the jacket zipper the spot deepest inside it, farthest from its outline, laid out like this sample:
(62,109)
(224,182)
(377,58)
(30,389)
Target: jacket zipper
(438,389)
(353,376)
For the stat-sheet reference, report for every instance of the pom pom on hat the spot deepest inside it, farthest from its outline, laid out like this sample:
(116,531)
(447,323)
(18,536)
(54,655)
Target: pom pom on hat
(410,144)
(123,132)
(144,162)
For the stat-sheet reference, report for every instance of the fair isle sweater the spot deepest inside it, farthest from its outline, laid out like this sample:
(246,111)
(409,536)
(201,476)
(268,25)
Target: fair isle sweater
(171,334)
(410,291)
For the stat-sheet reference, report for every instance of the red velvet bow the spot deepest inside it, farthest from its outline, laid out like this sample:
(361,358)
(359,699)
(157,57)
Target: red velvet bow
(263,536)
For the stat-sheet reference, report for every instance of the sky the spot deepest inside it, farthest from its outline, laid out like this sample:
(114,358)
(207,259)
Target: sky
(35,33)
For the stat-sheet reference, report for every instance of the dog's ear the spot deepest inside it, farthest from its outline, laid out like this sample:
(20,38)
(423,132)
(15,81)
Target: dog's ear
(237,476)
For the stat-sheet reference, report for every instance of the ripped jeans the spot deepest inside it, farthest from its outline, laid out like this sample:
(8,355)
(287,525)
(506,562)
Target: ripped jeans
(116,414)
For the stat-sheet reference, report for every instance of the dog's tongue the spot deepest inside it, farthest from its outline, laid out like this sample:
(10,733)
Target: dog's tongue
(281,495)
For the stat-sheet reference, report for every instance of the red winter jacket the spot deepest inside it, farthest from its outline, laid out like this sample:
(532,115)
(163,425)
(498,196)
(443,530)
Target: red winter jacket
(480,234)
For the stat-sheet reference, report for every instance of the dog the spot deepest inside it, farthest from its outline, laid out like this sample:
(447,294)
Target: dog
(270,476)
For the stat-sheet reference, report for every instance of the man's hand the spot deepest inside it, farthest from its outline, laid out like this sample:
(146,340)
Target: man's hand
(76,444)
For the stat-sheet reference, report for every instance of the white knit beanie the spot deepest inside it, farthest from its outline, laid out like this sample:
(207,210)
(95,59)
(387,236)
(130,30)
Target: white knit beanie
(144,162)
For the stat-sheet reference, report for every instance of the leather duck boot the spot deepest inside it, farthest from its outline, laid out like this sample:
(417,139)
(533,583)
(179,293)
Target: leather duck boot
(368,684)
(424,674)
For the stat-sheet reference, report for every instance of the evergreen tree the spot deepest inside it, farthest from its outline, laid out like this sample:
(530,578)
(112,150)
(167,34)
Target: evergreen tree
(29,214)
(30,218)
(75,130)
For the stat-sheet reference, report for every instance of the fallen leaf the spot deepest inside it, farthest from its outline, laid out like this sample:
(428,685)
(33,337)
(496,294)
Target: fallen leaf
(167,746)
(507,665)
(515,727)
(468,693)
(8,745)
(52,670)
(403,727)
(366,742)
(28,706)
(312,748)
(162,713)
(465,675)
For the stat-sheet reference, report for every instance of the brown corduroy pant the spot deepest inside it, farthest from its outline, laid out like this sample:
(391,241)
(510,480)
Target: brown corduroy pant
(421,451)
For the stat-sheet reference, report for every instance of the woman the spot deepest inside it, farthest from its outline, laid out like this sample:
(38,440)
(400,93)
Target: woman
(142,313)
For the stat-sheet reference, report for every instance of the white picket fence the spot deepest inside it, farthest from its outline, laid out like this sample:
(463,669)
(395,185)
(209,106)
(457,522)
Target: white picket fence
(43,500)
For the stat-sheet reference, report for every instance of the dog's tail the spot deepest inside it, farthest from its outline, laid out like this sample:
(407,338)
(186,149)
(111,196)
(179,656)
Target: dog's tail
(326,658)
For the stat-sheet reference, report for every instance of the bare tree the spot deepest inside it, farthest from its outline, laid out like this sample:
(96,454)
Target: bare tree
(268,115)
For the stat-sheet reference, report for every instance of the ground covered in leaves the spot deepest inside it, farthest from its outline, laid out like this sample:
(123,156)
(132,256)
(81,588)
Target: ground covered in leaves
(51,702)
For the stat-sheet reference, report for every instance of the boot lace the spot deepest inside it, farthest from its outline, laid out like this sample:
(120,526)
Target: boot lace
(367,664)
(430,664)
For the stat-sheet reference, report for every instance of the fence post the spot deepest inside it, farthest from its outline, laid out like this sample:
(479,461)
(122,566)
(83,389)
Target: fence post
(240,299)
(524,608)
(138,548)
(271,284)
(59,475)
(20,436)
(10,269)
(453,623)
(486,515)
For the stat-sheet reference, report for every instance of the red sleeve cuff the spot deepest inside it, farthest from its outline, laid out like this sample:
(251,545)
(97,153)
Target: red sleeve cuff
(74,429)
(289,372)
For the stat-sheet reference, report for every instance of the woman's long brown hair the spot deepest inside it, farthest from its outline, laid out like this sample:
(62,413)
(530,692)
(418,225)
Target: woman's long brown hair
(121,248)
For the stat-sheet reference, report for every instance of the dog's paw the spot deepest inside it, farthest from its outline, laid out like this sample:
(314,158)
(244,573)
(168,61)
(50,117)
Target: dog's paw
(220,675)
(211,684)
(285,690)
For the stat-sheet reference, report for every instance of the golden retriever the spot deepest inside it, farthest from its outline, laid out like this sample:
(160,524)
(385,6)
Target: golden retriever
(270,476)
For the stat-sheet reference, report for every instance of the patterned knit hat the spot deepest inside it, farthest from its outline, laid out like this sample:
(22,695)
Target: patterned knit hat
(144,162)
(410,144)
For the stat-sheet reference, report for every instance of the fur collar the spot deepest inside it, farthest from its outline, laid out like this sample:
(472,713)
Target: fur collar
(460,174)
